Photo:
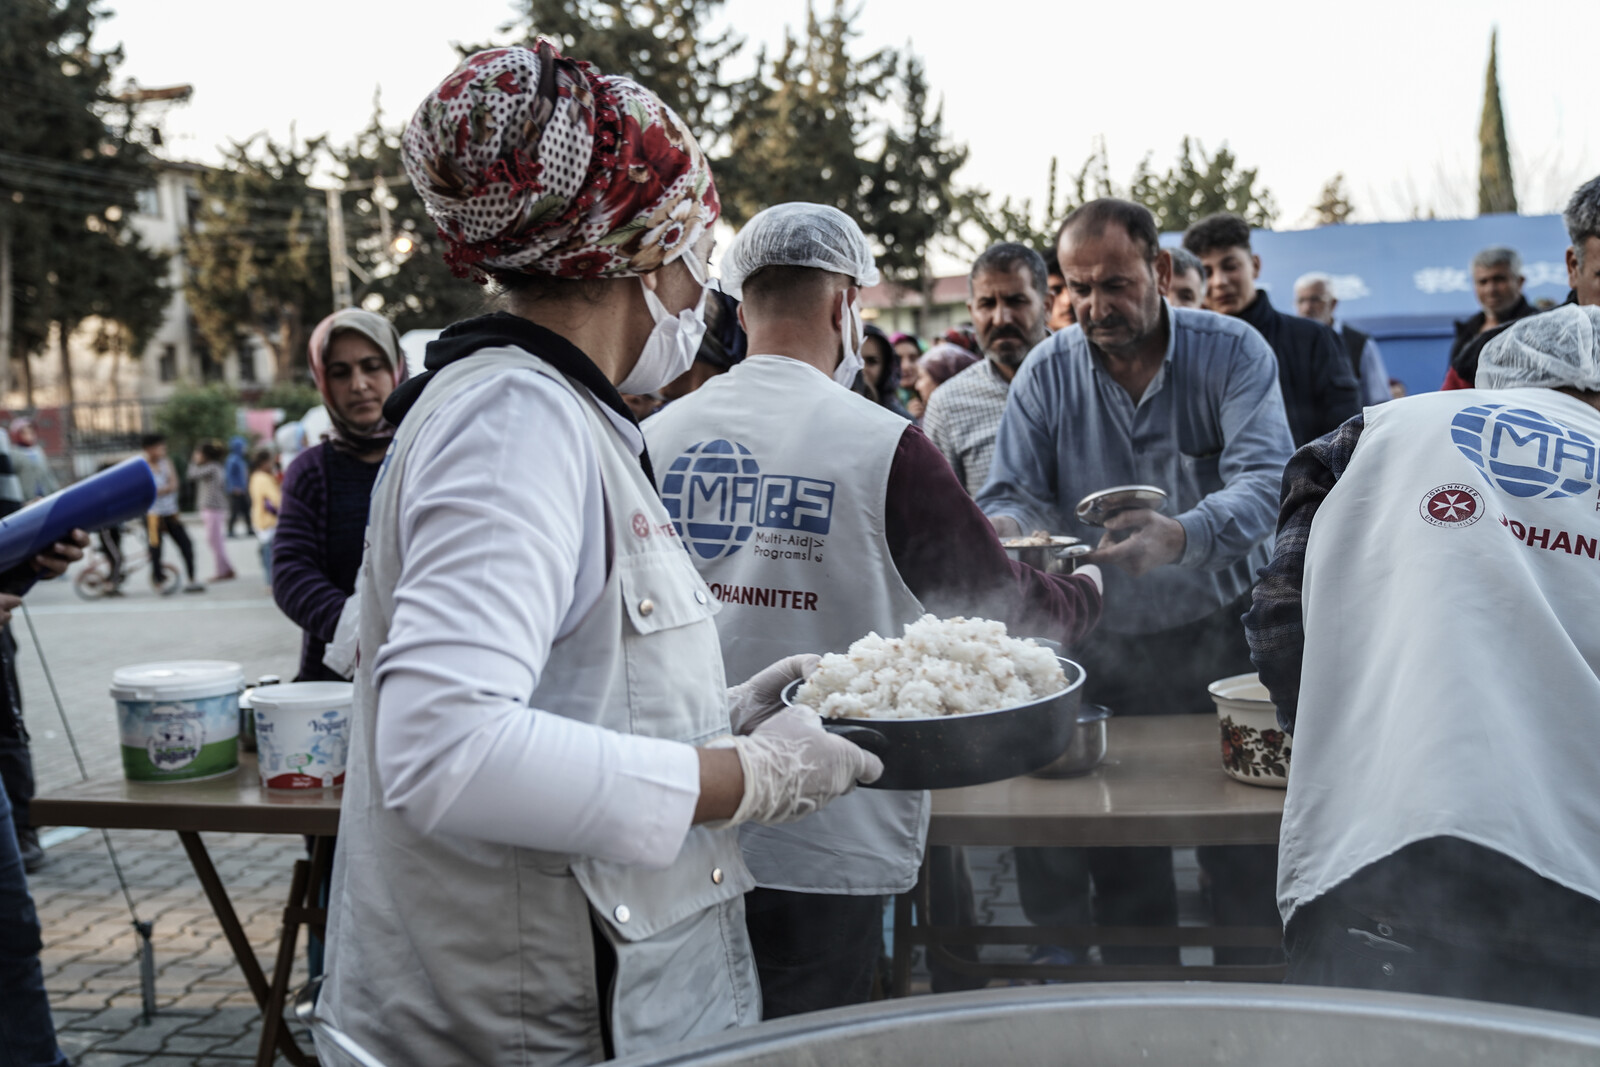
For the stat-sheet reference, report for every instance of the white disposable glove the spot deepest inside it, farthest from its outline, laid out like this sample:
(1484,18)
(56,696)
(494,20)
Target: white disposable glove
(340,654)
(755,701)
(792,767)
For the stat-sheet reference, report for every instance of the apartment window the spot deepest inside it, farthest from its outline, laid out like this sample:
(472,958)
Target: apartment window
(148,202)
(247,364)
(169,363)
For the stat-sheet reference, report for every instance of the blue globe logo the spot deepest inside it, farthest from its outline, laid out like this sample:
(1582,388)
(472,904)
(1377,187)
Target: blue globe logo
(710,493)
(1525,453)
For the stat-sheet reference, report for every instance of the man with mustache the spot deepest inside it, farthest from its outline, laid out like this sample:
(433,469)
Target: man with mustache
(1319,388)
(1140,392)
(1008,301)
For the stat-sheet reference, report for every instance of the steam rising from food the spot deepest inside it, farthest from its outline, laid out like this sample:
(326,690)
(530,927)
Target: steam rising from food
(940,667)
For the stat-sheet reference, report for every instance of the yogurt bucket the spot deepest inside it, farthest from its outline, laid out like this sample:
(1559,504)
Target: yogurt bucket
(302,733)
(179,721)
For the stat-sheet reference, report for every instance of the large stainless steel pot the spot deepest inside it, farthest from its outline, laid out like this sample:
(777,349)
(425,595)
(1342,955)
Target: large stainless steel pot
(953,751)
(1154,1024)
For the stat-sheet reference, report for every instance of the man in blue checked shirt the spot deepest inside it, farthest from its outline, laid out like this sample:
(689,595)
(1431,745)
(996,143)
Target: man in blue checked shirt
(1140,392)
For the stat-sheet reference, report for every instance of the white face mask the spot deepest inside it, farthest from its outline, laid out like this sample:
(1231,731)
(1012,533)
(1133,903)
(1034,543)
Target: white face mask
(670,348)
(851,365)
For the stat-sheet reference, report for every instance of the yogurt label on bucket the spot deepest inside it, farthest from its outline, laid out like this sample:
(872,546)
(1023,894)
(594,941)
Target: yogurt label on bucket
(176,737)
(302,749)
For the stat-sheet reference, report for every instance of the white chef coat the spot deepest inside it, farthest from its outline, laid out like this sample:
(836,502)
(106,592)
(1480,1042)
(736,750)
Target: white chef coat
(1451,679)
(460,754)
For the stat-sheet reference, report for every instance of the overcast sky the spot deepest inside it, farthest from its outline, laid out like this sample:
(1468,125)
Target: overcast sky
(1388,92)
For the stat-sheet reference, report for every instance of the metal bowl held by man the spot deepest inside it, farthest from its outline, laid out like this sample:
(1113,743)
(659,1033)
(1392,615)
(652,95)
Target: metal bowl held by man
(1096,508)
(953,751)
(1043,551)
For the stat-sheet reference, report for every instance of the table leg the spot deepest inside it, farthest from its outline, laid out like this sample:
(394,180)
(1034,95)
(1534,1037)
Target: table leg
(222,908)
(305,889)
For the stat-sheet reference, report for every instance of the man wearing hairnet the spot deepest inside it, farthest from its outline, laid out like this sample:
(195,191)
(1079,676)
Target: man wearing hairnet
(1429,629)
(816,516)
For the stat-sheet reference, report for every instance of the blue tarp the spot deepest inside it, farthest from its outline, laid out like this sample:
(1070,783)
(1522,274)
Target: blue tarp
(1407,282)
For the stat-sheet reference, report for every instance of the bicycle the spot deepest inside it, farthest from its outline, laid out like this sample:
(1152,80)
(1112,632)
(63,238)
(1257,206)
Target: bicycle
(94,580)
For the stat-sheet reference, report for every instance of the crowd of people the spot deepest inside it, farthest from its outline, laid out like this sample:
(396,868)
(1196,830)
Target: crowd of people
(523,556)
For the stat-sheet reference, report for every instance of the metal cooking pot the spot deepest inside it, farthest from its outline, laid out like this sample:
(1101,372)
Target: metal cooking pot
(1151,1024)
(951,751)
(1087,748)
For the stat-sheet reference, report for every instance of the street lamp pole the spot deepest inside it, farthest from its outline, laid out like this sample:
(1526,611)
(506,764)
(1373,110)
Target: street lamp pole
(338,258)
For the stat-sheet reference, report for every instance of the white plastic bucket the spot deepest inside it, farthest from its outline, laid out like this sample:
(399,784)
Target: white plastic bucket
(179,721)
(302,733)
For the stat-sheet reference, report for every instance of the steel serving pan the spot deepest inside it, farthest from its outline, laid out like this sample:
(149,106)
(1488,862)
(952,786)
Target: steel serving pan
(1094,509)
(1087,749)
(1052,553)
(952,751)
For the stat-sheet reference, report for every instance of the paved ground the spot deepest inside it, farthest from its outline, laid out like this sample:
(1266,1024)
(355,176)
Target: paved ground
(205,1012)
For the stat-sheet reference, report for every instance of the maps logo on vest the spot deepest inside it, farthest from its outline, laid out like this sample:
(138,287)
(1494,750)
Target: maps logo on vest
(718,496)
(1525,453)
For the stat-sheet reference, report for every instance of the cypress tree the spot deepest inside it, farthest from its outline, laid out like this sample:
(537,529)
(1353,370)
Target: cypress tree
(1495,191)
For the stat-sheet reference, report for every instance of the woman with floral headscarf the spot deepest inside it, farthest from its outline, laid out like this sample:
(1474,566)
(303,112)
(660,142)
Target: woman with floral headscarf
(538,862)
(356,362)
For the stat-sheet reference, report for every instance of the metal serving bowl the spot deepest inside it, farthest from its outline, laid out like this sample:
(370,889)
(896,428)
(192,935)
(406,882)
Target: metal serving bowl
(1151,1024)
(1087,749)
(951,751)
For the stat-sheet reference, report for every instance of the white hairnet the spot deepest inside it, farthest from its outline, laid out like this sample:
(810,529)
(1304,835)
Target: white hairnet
(1559,347)
(799,235)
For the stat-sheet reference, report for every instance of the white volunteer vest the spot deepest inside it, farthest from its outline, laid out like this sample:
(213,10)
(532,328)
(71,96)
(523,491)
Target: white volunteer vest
(776,478)
(1452,622)
(444,950)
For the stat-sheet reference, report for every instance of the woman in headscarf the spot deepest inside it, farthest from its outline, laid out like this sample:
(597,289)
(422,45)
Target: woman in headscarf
(907,349)
(943,362)
(316,549)
(538,859)
(881,370)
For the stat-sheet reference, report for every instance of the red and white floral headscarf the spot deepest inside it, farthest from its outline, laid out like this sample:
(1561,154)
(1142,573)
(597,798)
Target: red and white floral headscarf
(531,161)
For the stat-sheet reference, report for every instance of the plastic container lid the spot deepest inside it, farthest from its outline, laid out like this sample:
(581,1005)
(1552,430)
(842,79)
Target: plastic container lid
(178,680)
(292,695)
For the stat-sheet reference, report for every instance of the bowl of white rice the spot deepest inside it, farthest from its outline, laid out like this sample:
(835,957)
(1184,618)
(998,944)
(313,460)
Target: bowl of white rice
(950,703)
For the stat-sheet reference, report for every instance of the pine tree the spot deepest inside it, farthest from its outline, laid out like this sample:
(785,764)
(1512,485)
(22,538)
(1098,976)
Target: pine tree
(1198,185)
(1496,194)
(1333,207)
(798,128)
(71,168)
(258,255)
(910,200)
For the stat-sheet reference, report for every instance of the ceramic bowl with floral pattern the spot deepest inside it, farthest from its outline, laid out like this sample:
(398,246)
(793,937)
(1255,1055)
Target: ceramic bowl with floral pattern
(1254,749)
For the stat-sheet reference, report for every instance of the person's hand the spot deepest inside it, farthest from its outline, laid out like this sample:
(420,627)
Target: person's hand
(793,767)
(8,604)
(915,407)
(1139,540)
(62,554)
(755,701)
(1005,526)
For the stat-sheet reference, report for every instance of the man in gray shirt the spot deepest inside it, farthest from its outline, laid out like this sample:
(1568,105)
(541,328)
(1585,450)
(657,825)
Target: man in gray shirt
(1140,392)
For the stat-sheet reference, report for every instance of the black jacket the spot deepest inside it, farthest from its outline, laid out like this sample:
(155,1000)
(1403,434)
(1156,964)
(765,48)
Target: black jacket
(1465,363)
(1319,389)
(1464,353)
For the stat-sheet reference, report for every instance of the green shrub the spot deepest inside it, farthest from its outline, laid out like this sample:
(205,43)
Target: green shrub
(295,398)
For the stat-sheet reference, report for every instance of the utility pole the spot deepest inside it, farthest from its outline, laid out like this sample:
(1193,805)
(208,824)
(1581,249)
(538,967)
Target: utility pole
(5,307)
(337,256)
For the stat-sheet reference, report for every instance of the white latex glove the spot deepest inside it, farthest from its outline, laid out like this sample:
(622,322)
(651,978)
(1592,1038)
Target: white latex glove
(792,767)
(340,655)
(755,701)
(1092,572)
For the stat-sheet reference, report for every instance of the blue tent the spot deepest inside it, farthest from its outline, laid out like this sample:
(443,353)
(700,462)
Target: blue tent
(1407,282)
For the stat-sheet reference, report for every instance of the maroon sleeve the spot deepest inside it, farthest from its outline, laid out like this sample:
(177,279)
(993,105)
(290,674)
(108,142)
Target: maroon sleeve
(949,556)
